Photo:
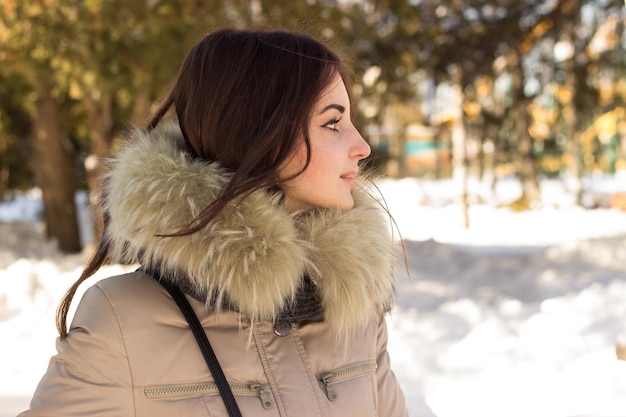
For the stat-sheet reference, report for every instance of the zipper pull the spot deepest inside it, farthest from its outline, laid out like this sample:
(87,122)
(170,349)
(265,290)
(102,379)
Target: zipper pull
(266,401)
(327,379)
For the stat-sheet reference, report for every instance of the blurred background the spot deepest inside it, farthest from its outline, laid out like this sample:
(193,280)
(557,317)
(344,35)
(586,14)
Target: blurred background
(443,89)
(498,129)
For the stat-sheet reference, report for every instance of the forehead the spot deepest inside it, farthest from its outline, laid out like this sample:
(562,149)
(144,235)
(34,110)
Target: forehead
(334,93)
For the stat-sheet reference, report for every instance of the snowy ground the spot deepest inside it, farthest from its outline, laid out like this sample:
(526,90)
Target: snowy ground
(518,316)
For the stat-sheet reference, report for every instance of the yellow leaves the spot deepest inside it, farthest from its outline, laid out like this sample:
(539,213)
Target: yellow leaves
(536,33)
(9,7)
(563,94)
(40,53)
(551,163)
(76,91)
(526,45)
(471,109)
(484,86)
(33,10)
(11,23)
(542,120)
(605,125)
(82,84)
(164,9)
(93,6)
(542,114)
(408,60)
(70,13)
(89,79)
(60,64)
(72,77)
(371,75)
(539,130)
(542,28)
(124,97)
(568,113)
(604,39)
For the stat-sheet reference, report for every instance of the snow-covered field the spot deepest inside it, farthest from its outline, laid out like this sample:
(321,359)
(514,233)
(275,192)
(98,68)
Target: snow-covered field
(520,315)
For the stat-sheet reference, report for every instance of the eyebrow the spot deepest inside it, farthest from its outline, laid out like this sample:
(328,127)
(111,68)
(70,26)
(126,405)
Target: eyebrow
(337,107)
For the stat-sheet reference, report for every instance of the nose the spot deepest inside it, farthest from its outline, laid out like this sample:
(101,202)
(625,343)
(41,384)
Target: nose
(361,149)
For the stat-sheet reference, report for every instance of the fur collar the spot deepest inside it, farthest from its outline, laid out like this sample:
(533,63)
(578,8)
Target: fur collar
(255,253)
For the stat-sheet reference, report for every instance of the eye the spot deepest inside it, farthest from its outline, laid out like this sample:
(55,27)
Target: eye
(332,124)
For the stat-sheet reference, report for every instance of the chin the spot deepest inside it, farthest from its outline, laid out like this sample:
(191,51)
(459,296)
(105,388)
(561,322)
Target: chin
(345,205)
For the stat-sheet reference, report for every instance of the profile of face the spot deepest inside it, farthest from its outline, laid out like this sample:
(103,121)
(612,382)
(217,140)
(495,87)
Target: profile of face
(336,149)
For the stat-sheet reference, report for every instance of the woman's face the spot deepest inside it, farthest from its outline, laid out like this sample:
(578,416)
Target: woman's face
(336,149)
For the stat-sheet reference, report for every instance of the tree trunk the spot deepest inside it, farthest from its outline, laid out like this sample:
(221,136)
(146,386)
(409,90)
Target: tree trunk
(100,125)
(400,133)
(438,161)
(460,171)
(459,147)
(141,108)
(574,149)
(54,171)
(488,160)
(527,169)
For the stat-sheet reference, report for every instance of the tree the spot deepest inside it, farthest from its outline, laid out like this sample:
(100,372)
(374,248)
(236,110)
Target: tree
(14,128)
(29,48)
(85,60)
(486,43)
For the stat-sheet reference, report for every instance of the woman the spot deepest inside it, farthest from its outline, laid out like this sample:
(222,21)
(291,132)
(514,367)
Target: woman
(248,199)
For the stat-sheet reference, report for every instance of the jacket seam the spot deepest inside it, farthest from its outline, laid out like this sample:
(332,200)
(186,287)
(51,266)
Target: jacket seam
(271,378)
(374,386)
(119,325)
(309,370)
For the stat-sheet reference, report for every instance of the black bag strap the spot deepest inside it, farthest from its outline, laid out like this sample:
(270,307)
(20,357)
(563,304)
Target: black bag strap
(205,347)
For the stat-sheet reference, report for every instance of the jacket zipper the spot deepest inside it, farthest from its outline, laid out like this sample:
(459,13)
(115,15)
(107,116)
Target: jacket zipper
(329,379)
(209,388)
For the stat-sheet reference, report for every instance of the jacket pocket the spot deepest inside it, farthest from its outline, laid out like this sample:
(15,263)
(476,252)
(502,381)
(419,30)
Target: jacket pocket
(351,386)
(252,398)
(332,380)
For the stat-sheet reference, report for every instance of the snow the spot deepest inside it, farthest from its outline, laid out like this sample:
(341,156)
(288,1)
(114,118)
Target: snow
(519,315)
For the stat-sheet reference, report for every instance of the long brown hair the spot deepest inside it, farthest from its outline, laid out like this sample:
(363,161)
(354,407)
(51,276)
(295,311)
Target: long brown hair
(244,99)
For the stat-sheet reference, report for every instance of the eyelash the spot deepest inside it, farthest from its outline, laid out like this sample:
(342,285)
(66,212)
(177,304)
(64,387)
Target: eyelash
(333,123)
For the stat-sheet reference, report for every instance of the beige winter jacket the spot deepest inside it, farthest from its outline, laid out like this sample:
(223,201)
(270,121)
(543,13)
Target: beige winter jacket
(130,351)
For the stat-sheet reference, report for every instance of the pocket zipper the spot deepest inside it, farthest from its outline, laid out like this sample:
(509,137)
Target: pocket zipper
(209,388)
(343,374)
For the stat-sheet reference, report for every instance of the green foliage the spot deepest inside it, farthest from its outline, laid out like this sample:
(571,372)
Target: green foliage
(14,129)
(118,50)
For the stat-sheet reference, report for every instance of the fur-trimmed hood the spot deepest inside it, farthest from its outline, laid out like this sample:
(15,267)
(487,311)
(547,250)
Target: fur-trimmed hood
(254,254)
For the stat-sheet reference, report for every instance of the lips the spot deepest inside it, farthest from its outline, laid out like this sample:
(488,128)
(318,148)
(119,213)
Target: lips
(349,177)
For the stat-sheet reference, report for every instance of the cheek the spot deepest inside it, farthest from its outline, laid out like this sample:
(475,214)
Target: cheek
(308,181)
(293,165)
(318,168)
